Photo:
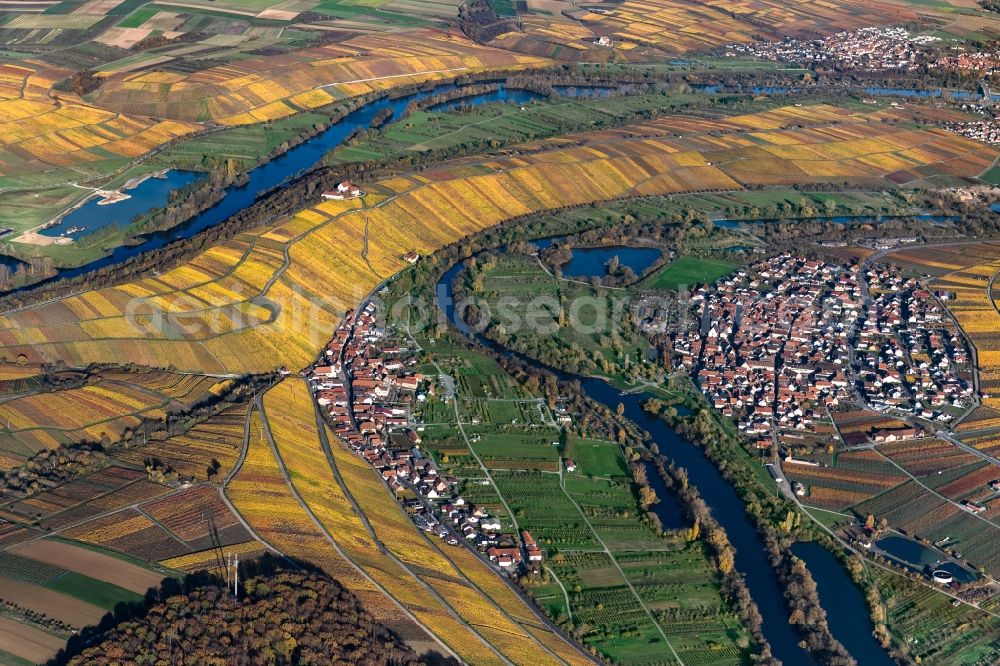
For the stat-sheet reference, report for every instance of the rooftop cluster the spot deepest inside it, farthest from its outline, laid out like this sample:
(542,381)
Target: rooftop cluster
(986,130)
(369,388)
(781,344)
(772,349)
(910,358)
(876,48)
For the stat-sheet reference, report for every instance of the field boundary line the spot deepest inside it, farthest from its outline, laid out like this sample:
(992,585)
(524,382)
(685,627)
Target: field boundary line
(392,76)
(614,561)
(232,474)
(325,445)
(569,609)
(329,538)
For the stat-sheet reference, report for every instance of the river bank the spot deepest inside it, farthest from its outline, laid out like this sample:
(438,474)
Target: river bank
(728,507)
(86,219)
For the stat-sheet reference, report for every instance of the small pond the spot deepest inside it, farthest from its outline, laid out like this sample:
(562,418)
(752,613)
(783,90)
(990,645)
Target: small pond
(588,261)
(908,550)
(591,260)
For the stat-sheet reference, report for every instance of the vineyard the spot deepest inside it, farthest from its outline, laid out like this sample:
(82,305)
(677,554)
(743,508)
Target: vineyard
(680,27)
(119,508)
(929,506)
(982,418)
(988,444)
(215,296)
(641,29)
(946,475)
(913,510)
(191,454)
(267,88)
(64,142)
(41,130)
(923,457)
(110,403)
(71,502)
(854,477)
(574,516)
(929,621)
(864,422)
(356,513)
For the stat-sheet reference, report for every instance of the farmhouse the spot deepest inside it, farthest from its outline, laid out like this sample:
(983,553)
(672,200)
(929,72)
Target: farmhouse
(345,190)
(894,435)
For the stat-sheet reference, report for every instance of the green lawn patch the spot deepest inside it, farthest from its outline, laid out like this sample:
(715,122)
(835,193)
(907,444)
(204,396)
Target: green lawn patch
(992,176)
(689,271)
(91,590)
(596,458)
(138,17)
(10,659)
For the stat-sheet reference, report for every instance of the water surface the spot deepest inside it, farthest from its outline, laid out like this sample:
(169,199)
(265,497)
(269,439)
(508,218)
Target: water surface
(845,605)
(151,193)
(726,505)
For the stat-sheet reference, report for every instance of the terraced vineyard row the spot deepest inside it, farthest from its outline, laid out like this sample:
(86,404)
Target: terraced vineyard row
(270,297)
(344,518)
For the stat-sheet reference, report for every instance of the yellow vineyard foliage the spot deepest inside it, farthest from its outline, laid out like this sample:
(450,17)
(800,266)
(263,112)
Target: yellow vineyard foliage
(270,297)
(266,88)
(40,128)
(418,575)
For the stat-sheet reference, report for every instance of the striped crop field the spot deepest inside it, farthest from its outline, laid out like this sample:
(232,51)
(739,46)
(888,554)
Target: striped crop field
(638,28)
(111,402)
(105,410)
(269,297)
(268,87)
(40,129)
(134,112)
(190,454)
(450,594)
(262,496)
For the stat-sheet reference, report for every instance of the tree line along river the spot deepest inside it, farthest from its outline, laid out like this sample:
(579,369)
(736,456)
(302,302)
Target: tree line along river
(155,192)
(848,614)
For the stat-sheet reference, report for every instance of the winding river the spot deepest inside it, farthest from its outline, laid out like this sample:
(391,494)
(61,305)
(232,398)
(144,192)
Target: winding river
(854,631)
(153,192)
(261,180)
(726,505)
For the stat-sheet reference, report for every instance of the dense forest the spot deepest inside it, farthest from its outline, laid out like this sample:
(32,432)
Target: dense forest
(283,618)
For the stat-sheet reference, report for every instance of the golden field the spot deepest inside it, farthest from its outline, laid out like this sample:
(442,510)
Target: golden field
(190,454)
(265,88)
(238,307)
(383,542)
(135,112)
(32,422)
(336,511)
(640,29)
(111,402)
(260,494)
(40,128)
